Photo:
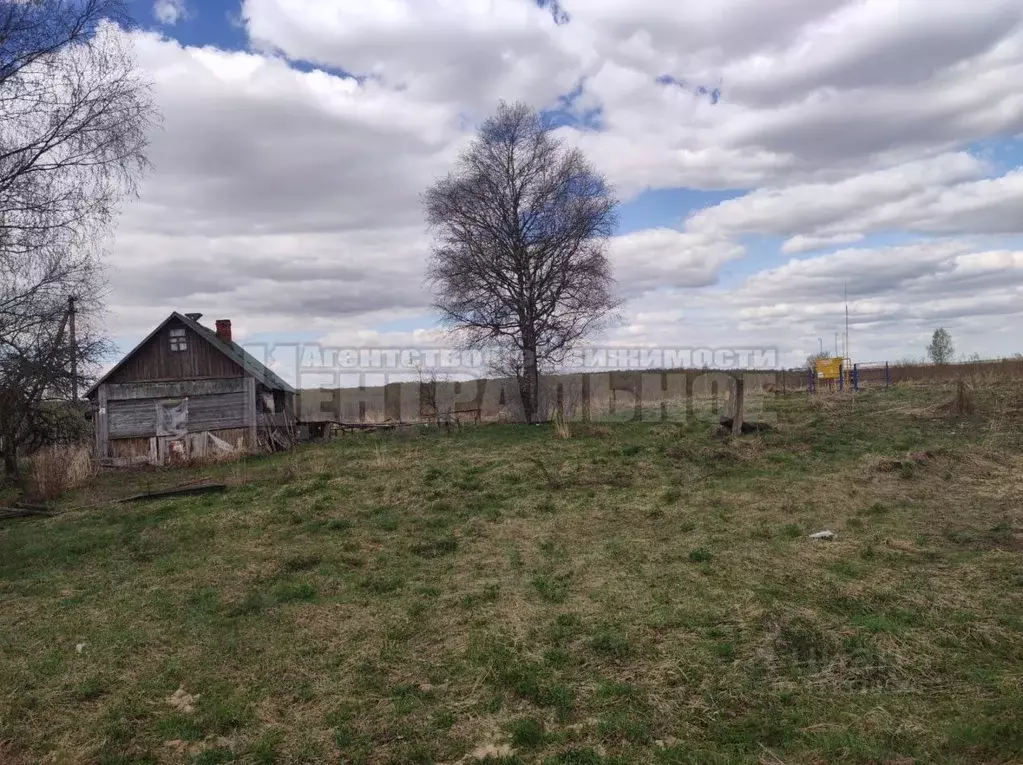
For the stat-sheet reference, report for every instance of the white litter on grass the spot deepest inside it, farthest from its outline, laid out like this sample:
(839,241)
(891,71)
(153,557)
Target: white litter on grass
(79,647)
(183,701)
(823,535)
(485,753)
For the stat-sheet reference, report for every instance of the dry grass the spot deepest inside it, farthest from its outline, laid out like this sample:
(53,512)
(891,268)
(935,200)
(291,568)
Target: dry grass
(649,596)
(961,405)
(998,371)
(53,470)
(561,428)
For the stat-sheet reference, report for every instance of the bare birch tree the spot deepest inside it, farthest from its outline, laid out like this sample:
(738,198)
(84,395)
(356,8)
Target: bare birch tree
(74,119)
(519,261)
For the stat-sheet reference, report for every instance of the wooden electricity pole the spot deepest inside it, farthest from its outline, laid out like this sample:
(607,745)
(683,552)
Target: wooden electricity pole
(739,405)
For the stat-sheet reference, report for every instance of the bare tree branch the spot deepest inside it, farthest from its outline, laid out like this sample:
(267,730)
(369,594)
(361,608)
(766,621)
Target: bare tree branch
(74,120)
(519,257)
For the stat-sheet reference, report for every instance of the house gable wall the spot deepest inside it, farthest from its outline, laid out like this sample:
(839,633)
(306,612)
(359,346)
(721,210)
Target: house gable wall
(155,361)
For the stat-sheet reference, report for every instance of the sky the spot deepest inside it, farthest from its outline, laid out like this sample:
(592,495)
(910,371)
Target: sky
(771,157)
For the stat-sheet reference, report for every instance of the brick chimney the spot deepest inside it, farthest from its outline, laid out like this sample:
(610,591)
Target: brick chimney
(224,329)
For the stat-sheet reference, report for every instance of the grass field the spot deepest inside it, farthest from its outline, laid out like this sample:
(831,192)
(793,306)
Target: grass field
(636,593)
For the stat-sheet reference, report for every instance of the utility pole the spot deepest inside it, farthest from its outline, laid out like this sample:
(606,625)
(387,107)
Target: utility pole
(846,320)
(74,348)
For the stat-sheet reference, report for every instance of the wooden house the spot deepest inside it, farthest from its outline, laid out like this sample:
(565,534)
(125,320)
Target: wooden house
(189,391)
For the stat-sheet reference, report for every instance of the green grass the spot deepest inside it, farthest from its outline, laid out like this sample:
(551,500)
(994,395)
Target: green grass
(650,596)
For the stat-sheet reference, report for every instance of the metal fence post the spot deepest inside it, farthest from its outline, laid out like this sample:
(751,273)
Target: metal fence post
(856,378)
(841,378)
(810,381)
(886,376)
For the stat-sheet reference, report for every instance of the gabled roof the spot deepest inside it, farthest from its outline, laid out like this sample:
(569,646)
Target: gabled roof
(249,363)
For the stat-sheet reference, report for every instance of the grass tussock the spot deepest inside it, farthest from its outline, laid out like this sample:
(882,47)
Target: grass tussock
(644,591)
(55,469)
(561,427)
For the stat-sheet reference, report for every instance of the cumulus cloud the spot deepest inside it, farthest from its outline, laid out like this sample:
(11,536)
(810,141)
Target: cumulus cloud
(169,11)
(874,272)
(293,196)
(894,293)
(250,145)
(897,296)
(807,88)
(457,52)
(291,282)
(945,194)
(664,258)
(820,90)
(286,181)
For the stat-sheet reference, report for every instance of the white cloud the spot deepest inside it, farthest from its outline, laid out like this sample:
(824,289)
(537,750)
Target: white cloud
(468,52)
(808,90)
(894,293)
(804,243)
(249,145)
(875,43)
(943,195)
(663,258)
(867,273)
(897,297)
(289,199)
(169,12)
(816,214)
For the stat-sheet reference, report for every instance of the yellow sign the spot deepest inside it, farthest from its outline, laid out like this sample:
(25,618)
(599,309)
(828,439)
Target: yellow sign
(829,369)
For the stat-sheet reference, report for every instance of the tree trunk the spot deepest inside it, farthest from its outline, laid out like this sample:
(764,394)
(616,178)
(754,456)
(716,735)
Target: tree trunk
(10,459)
(531,387)
(530,383)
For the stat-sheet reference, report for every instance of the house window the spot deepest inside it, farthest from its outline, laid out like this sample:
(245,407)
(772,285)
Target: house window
(178,341)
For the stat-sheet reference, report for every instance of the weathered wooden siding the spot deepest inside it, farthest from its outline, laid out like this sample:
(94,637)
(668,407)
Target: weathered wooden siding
(140,450)
(129,448)
(128,418)
(155,361)
(237,437)
(173,389)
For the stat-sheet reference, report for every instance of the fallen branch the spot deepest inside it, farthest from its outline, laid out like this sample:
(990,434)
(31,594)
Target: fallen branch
(24,511)
(552,481)
(30,506)
(180,491)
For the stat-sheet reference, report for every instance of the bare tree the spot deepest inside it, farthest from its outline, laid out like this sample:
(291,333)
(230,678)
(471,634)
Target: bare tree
(74,119)
(519,260)
(429,381)
(40,369)
(813,358)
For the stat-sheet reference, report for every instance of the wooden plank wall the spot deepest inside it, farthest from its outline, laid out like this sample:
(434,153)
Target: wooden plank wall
(248,408)
(138,450)
(129,448)
(173,389)
(156,361)
(102,434)
(128,418)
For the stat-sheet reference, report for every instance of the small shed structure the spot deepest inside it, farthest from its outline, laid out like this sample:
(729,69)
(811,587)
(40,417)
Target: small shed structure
(189,391)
